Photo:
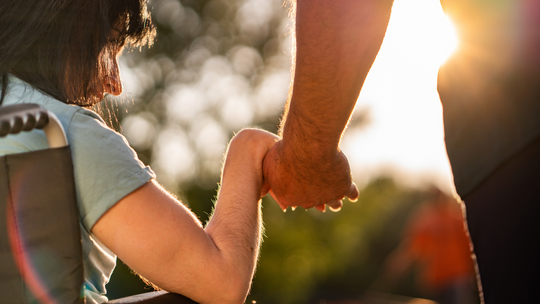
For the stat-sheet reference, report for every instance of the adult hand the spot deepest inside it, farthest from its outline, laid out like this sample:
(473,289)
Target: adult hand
(308,179)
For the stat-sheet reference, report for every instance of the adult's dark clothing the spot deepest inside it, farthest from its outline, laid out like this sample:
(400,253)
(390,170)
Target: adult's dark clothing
(490,88)
(490,91)
(502,218)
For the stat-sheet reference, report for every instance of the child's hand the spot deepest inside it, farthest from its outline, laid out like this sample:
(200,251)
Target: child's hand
(245,156)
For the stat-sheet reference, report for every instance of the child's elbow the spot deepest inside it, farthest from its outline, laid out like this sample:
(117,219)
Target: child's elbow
(233,288)
(222,285)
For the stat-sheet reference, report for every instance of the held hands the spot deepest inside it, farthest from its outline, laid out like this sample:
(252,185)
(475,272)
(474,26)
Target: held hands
(306,180)
(292,178)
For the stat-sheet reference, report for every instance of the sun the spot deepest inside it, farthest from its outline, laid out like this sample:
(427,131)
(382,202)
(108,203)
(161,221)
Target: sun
(426,27)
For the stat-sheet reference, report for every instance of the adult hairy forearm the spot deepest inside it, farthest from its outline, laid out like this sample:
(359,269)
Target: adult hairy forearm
(336,44)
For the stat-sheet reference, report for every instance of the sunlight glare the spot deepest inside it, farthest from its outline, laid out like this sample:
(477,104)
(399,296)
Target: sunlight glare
(424,24)
(405,136)
(449,41)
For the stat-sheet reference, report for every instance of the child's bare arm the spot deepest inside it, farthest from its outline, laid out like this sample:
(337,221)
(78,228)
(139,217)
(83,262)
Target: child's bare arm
(163,241)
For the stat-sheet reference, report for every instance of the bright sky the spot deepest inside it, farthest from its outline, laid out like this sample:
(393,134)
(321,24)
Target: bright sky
(405,133)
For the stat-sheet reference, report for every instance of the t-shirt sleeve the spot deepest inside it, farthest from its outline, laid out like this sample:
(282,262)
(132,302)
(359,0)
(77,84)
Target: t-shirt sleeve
(106,168)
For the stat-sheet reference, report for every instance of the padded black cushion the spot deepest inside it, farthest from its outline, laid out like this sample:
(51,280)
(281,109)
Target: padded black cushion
(40,238)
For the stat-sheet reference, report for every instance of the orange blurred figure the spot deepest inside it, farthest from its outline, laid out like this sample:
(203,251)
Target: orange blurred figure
(439,242)
(436,240)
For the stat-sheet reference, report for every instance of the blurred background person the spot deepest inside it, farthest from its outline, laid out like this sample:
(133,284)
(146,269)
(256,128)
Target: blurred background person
(435,241)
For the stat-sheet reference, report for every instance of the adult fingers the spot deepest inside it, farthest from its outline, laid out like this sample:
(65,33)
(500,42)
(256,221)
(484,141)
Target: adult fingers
(321,207)
(353,193)
(282,206)
(335,205)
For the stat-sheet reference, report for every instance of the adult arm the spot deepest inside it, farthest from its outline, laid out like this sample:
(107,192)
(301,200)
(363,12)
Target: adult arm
(163,241)
(336,44)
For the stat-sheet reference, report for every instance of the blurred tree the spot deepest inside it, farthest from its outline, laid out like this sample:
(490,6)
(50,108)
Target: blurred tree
(217,66)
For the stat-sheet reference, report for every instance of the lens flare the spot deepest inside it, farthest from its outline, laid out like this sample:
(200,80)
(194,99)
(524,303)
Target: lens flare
(26,261)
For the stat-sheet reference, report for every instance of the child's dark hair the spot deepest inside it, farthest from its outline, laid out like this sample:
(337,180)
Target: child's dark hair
(62,46)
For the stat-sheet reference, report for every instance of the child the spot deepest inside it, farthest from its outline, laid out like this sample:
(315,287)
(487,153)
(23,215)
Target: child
(63,56)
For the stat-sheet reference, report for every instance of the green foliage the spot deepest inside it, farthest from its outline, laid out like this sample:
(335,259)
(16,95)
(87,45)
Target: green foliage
(125,283)
(308,255)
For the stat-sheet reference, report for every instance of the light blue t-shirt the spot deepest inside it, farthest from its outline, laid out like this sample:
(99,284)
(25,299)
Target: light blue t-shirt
(106,169)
